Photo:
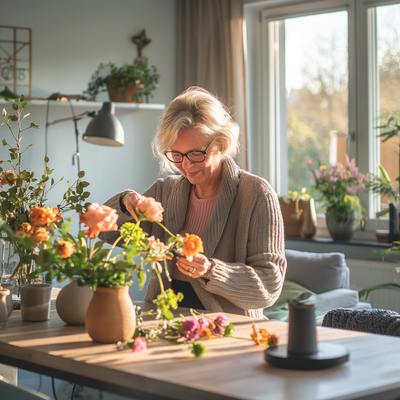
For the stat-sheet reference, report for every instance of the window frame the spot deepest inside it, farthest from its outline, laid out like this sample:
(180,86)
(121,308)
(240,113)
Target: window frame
(265,104)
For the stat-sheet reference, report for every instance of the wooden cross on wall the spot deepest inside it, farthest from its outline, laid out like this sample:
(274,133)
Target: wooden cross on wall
(141,40)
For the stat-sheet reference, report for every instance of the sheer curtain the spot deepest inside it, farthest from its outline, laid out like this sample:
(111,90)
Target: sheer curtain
(211,55)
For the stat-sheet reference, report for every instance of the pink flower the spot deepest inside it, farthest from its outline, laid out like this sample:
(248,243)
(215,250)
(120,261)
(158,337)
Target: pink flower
(146,207)
(220,323)
(6,178)
(99,219)
(203,321)
(190,328)
(139,344)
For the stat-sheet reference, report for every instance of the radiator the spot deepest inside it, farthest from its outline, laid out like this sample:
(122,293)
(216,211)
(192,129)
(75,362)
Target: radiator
(365,273)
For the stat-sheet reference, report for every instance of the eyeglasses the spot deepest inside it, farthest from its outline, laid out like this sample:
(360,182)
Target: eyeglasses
(196,156)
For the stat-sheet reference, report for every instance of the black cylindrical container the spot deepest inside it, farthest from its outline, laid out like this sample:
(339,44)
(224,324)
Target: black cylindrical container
(302,334)
(393,224)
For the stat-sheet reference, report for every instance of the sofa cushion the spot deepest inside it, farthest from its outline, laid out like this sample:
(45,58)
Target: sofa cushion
(318,272)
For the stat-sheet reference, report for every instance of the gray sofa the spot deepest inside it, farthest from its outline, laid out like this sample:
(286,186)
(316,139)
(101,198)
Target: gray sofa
(325,275)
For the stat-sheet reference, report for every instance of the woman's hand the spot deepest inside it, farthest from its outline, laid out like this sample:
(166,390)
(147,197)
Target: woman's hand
(129,198)
(200,266)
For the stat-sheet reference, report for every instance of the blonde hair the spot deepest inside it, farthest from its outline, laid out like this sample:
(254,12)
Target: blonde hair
(195,108)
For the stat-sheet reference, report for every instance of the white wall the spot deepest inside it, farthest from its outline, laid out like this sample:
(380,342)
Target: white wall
(69,40)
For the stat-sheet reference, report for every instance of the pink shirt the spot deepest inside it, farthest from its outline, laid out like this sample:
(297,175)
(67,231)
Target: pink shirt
(198,214)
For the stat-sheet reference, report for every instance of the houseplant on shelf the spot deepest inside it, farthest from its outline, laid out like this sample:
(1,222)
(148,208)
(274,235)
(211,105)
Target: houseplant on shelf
(337,187)
(110,316)
(26,222)
(129,83)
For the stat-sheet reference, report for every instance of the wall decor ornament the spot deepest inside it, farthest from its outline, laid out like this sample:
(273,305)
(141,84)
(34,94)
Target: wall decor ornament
(16,59)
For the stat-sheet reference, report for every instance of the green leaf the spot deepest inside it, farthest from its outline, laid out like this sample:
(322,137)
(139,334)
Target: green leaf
(198,349)
(21,98)
(229,329)
(24,175)
(22,218)
(46,159)
(168,315)
(4,141)
(15,106)
(81,174)
(25,104)
(13,118)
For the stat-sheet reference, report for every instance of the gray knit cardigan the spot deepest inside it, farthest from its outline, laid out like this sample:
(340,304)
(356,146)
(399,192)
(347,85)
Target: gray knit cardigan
(244,237)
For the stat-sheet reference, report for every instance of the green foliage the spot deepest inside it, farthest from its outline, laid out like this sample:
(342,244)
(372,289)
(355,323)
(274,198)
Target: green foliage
(382,184)
(21,190)
(110,76)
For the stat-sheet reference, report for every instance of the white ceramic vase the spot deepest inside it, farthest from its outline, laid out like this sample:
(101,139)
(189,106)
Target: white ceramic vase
(72,303)
(35,302)
(10,304)
(3,304)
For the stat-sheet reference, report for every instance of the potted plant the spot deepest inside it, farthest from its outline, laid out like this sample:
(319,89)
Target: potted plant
(128,83)
(337,187)
(110,315)
(293,207)
(26,222)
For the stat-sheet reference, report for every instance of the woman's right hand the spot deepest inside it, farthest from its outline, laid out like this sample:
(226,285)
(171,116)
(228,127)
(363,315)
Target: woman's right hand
(131,197)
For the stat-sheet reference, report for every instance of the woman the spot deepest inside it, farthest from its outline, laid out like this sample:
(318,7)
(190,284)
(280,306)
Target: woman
(236,214)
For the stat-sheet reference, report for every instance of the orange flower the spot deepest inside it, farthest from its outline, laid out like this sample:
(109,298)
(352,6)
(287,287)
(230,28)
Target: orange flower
(40,216)
(8,178)
(193,245)
(206,333)
(99,219)
(262,337)
(65,248)
(40,234)
(24,229)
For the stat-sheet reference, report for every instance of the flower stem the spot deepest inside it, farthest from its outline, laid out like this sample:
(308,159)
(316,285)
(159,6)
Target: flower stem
(166,229)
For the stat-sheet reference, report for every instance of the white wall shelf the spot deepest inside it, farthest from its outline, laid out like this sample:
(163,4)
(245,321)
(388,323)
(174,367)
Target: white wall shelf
(92,104)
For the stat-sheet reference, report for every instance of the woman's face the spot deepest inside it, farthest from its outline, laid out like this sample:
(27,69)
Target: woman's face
(206,173)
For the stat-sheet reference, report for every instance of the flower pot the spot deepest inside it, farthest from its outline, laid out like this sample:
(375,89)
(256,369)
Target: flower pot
(3,305)
(10,304)
(129,91)
(35,302)
(72,303)
(343,228)
(292,222)
(111,316)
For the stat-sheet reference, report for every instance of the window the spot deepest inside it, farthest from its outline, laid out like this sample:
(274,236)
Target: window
(320,74)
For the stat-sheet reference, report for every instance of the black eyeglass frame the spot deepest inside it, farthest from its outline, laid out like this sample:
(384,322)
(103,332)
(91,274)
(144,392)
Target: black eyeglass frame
(187,154)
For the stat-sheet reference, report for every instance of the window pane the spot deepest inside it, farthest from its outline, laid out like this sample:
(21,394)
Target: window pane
(316,67)
(388,37)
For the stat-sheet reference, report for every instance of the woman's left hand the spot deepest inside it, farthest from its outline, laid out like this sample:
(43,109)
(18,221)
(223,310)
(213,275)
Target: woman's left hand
(198,267)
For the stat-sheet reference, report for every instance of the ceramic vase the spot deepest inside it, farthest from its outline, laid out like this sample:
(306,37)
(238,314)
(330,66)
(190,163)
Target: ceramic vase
(342,229)
(292,222)
(3,304)
(35,302)
(10,304)
(72,303)
(111,316)
(309,227)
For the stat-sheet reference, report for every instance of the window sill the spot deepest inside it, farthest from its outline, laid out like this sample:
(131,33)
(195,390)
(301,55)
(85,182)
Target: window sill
(356,249)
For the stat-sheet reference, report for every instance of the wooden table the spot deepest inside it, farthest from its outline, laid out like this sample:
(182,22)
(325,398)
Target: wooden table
(230,369)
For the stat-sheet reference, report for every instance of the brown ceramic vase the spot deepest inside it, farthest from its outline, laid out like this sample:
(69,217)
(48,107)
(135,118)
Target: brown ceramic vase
(111,317)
